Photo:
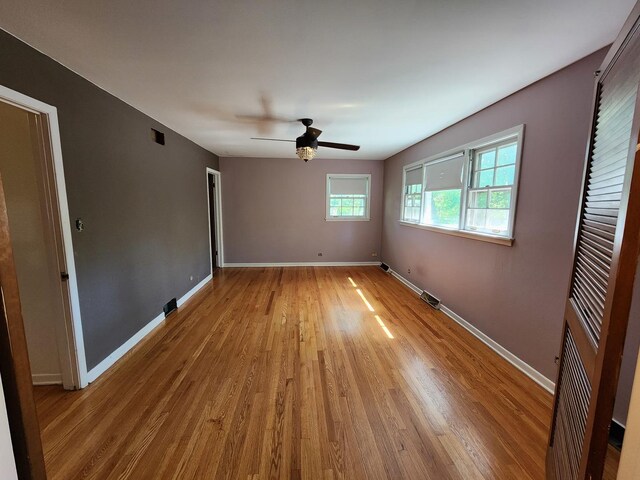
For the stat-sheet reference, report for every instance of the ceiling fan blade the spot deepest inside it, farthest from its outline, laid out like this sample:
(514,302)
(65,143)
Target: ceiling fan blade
(272,139)
(341,146)
(314,132)
(264,118)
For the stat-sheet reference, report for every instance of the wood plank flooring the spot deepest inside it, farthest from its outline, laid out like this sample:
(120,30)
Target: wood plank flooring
(318,373)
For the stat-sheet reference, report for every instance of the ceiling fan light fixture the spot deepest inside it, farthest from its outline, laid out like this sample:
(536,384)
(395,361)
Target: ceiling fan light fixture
(306,153)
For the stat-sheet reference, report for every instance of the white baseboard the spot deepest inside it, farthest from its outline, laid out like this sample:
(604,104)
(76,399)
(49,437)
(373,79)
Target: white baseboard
(301,264)
(406,282)
(521,365)
(99,369)
(46,378)
(194,290)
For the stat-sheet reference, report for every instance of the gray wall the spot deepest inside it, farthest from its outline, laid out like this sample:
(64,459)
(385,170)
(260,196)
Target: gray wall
(144,205)
(274,211)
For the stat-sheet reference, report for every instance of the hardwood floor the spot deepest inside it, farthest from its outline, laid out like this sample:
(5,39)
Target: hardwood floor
(316,373)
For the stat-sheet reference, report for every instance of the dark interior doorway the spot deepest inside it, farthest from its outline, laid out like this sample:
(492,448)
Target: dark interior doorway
(211,180)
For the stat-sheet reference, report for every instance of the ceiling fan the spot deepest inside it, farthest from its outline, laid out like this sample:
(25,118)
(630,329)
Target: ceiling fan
(307,144)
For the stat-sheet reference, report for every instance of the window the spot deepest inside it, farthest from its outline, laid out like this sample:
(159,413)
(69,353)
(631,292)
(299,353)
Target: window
(492,179)
(348,196)
(443,191)
(412,194)
(469,189)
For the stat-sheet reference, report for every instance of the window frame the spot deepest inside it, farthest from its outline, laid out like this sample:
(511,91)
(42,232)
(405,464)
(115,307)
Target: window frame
(514,134)
(367,206)
(403,201)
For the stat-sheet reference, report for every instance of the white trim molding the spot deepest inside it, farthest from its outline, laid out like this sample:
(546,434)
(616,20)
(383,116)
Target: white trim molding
(181,301)
(217,178)
(468,151)
(300,264)
(354,176)
(514,360)
(46,378)
(121,351)
(73,360)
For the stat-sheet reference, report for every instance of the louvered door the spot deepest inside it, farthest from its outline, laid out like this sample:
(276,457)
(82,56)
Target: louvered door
(605,259)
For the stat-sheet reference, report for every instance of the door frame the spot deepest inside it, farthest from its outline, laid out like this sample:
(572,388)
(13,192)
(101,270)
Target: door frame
(218,215)
(73,361)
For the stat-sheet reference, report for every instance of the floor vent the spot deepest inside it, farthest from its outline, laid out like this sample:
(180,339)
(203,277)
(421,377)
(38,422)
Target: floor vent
(384,266)
(430,299)
(170,307)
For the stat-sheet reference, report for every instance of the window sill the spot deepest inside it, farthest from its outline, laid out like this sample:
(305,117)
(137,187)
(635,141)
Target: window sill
(483,237)
(347,219)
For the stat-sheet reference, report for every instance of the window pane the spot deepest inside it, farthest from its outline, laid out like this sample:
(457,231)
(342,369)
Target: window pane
(484,179)
(507,154)
(487,159)
(347,202)
(358,202)
(346,211)
(334,202)
(334,211)
(505,175)
(500,199)
(497,220)
(478,199)
(409,202)
(358,212)
(442,208)
(476,219)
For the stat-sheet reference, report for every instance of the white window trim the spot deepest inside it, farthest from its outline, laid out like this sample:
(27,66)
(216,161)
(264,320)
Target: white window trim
(367,216)
(517,133)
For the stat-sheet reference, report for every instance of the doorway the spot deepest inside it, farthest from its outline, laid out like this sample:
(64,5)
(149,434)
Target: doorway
(40,235)
(214,197)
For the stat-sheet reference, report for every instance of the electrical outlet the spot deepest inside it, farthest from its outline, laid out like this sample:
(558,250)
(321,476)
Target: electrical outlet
(374,254)
(319,254)
(556,360)
(191,278)
(409,271)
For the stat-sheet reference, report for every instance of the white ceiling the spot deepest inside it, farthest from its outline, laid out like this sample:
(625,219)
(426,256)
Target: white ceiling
(383,74)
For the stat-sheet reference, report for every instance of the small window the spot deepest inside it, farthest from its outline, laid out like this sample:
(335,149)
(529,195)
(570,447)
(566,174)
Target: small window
(412,195)
(348,197)
(472,188)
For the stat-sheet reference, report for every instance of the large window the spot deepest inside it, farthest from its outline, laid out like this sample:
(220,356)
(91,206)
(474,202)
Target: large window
(470,189)
(348,196)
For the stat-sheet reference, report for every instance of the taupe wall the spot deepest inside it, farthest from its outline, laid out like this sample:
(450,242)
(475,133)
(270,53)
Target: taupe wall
(274,211)
(144,205)
(516,295)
